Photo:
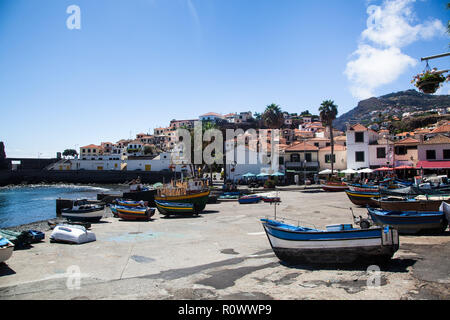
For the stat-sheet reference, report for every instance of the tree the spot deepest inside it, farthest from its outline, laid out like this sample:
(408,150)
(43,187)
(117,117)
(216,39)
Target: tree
(328,112)
(273,116)
(70,152)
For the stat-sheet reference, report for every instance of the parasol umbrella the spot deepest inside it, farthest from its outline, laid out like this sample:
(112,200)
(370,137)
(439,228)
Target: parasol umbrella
(326,171)
(249,174)
(277,174)
(404,167)
(262,174)
(365,170)
(349,171)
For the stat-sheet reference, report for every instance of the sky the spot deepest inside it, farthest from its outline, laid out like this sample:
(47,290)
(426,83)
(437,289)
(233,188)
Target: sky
(133,65)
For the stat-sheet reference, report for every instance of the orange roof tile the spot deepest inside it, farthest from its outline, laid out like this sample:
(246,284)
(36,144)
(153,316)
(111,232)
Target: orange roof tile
(91,146)
(411,141)
(337,147)
(302,146)
(439,139)
(445,128)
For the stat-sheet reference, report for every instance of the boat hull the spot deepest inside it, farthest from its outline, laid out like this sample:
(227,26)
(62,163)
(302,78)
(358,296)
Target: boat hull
(147,195)
(95,216)
(6,252)
(135,214)
(199,200)
(245,200)
(173,208)
(404,205)
(334,187)
(411,223)
(363,198)
(371,245)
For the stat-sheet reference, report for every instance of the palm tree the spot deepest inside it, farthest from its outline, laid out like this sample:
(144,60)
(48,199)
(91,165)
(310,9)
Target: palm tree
(328,112)
(273,116)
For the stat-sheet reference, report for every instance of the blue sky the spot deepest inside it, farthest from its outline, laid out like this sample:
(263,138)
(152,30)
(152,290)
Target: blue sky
(137,64)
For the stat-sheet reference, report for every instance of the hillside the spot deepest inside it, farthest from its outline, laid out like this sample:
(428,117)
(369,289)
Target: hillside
(394,104)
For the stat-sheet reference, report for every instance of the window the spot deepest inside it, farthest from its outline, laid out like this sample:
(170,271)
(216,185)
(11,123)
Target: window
(381,153)
(446,153)
(281,160)
(316,144)
(431,154)
(308,157)
(359,136)
(359,156)
(295,158)
(400,150)
(328,157)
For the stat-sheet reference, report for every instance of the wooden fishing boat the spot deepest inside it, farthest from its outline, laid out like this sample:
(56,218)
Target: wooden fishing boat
(363,187)
(418,203)
(249,199)
(82,211)
(271,199)
(338,244)
(362,198)
(195,192)
(410,222)
(135,213)
(334,186)
(169,208)
(6,249)
(131,203)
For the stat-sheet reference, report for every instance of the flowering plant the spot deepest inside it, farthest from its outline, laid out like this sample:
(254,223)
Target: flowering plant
(429,81)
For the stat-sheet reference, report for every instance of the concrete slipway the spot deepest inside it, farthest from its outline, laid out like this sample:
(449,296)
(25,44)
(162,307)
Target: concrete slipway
(222,254)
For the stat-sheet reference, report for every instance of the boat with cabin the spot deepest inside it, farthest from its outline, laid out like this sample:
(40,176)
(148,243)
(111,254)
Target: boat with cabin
(195,192)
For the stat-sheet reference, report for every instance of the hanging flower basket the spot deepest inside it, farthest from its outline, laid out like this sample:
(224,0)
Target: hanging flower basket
(429,81)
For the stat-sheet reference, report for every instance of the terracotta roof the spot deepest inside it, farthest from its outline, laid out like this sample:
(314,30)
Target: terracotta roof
(91,146)
(302,146)
(339,138)
(318,139)
(358,127)
(441,129)
(439,139)
(337,147)
(211,114)
(410,141)
(422,130)
(384,141)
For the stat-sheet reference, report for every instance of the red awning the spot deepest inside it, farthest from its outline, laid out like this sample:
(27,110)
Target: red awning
(433,164)
(383,169)
(404,168)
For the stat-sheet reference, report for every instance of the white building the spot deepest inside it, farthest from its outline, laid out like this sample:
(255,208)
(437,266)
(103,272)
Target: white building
(358,140)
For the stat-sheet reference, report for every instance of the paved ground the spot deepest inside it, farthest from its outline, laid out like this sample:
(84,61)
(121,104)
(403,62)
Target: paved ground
(222,254)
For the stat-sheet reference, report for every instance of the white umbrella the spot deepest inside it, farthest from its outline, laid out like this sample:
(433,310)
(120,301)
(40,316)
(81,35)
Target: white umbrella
(349,171)
(365,170)
(326,171)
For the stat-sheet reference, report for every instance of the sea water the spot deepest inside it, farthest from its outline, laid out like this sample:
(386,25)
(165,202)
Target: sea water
(26,204)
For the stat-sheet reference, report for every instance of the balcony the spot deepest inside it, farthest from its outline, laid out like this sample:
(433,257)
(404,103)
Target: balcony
(300,164)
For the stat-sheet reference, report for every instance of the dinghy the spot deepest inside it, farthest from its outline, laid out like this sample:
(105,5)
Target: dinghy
(337,244)
(71,234)
(362,198)
(334,186)
(131,203)
(410,222)
(83,211)
(249,199)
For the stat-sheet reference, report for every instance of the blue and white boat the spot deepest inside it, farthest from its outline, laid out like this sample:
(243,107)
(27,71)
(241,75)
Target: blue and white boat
(250,199)
(410,222)
(338,244)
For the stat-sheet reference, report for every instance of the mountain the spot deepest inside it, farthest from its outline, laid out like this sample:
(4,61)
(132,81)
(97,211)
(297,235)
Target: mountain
(392,104)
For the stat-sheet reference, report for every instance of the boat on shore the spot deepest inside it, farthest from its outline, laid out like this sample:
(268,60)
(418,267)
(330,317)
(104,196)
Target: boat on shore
(334,186)
(6,249)
(131,203)
(83,211)
(410,222)
(363,198)
(418,203)
(174,208)
(338,244)
(195,192)
(135,213)
(249,199)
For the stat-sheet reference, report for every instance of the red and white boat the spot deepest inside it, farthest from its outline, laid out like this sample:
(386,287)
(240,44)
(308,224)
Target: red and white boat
(334,186)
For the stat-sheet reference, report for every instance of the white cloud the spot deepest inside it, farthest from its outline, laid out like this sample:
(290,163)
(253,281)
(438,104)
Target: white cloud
(375,67)
(390,27)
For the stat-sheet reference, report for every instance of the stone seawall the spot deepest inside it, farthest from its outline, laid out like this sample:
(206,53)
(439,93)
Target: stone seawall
(82,176)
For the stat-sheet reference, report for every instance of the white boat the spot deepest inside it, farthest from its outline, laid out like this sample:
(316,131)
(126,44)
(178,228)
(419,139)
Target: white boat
(71,234)
(6,249)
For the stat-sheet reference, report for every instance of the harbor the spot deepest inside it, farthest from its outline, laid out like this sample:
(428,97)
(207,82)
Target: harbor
(223,253)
